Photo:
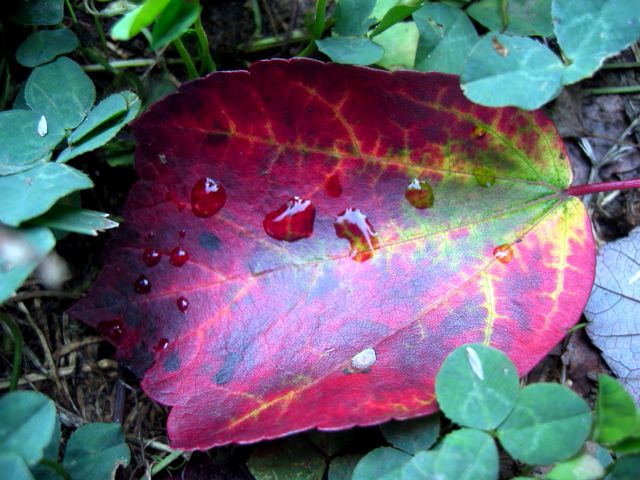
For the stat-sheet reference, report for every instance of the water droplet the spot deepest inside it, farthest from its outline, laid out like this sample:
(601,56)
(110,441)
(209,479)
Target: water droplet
(353,225)
(182,304)
(474,362)
(478,132)
(42,126)
(112,329)
(419,194)
(182,233)
(485,176)
(292,221)
(163,343)
(142,284)
(503,253)
(364,360)
(178,257)
(149,235)
(151,257)
(207,197)
(332,186)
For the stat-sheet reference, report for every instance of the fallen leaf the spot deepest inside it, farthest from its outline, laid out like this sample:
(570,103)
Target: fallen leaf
(613,309)
(249,337)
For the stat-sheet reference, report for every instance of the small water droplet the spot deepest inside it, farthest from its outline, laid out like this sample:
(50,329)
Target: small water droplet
(42,126)
(353,225)
(112,329)
(178,257)
(474,362)
(142,284)
(478,132)
(163,343)
(503,253)
(183,304)
(364,360)
(419,194)
(207,197)
(292,221)
(182,233)
(149,235)
(332,186)
(485,176)
(151,257)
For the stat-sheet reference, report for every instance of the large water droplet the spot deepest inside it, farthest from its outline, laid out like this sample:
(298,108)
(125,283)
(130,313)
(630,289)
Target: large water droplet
(112,329)
(207,197)
(142,284)
(178,257)
(364,360)
(182,304)
(151,257)
(353,225)
(419,194)
(292,221)
(332,186)
(162,344)
(503,253)
(485,176)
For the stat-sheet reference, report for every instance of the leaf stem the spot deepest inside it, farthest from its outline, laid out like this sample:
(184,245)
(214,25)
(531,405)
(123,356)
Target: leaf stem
(318,28)
(17,350)
(579,190)
(616,65)
(208,64)
(614,90)
(165,462)
(56,467)
(71,11)
(186,59)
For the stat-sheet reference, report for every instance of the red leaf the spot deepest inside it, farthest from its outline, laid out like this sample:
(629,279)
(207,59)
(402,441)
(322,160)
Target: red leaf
(347,323)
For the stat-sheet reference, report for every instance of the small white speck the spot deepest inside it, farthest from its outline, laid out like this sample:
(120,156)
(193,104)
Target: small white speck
(635,278)
(42,126)
(475,363)
(364,360)
(162,158)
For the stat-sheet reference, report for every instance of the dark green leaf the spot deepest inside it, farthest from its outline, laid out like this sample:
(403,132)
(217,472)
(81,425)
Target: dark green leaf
(467,453)
(477,386)
(134,21)
(625,468)
(353,17)
(351,50)
(13,467)
(45,45)
(60,91)
(446,38)
(51,452)
(95,451)
(615,413)
(412,436)
(38,12)
(548,424)
(330,443)
(524,17)
(22,146)
(293,458)
(341,468)
(78,220)
(102,124)
(23,249)
(379,462)
(503,70)
(27,423)
(396,14)
(583,467)
(173,22)
(590,31)
(29,194)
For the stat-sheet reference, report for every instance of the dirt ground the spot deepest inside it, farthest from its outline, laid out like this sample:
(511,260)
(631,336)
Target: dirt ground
(69,362)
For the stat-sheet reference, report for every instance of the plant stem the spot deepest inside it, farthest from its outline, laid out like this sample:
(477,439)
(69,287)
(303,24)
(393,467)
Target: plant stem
(257,18)
(165,462)
(186,59)
(17,350)
(132,63)
(578,190)
(273,42)
(318,28)
(614,90)
(71,12)
(208,65)
(56,467)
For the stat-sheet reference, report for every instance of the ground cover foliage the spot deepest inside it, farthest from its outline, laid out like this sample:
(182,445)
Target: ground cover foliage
(343,199)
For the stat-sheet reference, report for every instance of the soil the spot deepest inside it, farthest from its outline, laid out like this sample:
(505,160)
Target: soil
(69,362)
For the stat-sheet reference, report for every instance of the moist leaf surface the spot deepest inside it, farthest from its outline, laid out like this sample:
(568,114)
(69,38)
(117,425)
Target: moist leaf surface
(272,331)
